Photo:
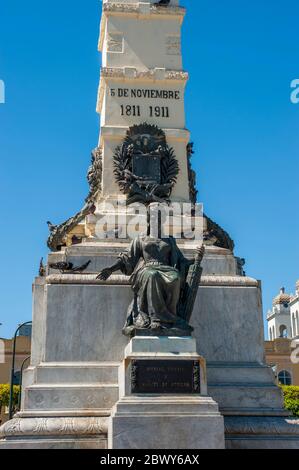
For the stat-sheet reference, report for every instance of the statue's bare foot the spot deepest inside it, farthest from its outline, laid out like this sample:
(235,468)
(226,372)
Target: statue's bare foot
(160,326)
(155,326)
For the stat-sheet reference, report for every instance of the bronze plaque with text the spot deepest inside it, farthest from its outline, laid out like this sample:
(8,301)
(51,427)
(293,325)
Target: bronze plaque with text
(165,376)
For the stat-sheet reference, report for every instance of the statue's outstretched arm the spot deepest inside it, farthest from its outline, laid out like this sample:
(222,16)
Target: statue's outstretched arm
(106,273)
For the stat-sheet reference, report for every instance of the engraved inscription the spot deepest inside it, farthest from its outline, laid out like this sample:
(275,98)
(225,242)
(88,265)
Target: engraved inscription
(162,376)
(146,102)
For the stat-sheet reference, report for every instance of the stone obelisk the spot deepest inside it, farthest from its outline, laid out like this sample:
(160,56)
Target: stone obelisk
(142,80)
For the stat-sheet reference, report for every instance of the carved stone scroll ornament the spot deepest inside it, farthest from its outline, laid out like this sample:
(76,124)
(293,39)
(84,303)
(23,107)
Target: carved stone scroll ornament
(215,235)
(54,427)
(145,168)
(94,176)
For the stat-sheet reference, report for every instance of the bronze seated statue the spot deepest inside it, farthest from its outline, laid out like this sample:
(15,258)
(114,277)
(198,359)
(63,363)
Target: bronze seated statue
(164,283)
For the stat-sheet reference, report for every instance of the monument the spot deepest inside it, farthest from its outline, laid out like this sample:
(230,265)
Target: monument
(153,340)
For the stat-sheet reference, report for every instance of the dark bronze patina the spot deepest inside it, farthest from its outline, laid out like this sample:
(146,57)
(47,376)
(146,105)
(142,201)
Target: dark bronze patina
(165,376)
(164,283)
(65,267)
(145,168)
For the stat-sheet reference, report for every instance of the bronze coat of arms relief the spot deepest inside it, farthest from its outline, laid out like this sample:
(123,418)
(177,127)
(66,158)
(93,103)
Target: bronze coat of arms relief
(145,167)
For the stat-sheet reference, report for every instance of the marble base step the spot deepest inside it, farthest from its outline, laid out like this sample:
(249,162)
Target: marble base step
(239,372)
(163,422)
(59,444)
(50,373)
(243,397)
(258,432)
(103,253)
(245,388)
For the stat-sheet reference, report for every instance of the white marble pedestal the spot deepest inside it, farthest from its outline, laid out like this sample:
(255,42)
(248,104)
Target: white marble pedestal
(168,420)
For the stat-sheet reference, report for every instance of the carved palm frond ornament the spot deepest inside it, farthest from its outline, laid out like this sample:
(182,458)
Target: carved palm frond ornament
(58,233)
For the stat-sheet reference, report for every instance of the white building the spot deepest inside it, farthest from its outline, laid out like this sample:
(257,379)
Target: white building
(294,312)
(283,319)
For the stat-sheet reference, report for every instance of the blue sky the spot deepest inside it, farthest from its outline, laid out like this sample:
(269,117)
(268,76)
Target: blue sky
(241,55)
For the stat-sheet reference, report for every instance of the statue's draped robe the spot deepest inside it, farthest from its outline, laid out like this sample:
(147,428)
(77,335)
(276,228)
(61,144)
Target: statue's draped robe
(158,271)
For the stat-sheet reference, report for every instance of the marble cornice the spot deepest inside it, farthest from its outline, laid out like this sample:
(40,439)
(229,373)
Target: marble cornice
(152,74)
(113,8)
(294,299)
(120,279)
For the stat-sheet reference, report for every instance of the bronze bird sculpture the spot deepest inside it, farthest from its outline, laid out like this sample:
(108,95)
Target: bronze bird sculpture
(69,268)
(51,226)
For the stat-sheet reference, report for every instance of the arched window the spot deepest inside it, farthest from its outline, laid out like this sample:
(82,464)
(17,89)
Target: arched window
(270,334)
(273,332)
(284,377)
(283,331)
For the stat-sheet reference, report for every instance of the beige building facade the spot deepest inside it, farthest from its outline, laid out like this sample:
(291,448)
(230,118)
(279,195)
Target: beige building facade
(23,347)
(282,351)
(283,355)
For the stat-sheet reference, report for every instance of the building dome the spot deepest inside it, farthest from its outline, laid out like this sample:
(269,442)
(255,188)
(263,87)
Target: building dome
(282,298)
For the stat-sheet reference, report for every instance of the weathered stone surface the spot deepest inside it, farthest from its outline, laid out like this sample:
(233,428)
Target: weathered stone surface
(228,324)
(261,433)
(166,423)
(245,388)
(160,345)
(77,373)
(55,444)
(87,322)
(68,397)
(244,397)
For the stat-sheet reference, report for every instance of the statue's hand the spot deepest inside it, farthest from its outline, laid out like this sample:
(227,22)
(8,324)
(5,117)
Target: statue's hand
(104,274)
(200,252)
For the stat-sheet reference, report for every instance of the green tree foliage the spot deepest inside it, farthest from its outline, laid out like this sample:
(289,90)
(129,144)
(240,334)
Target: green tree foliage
(291,399)
(4,395)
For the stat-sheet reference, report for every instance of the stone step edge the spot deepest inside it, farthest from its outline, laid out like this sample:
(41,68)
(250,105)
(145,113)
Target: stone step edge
(243,412)
(237,365)
(47,386)
(74,365)
(242,385)
(67,413)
